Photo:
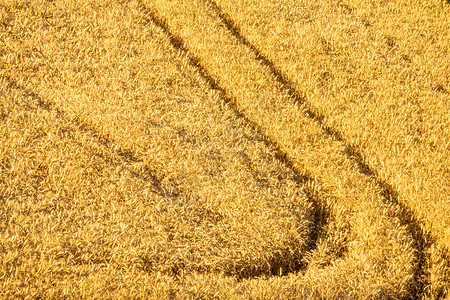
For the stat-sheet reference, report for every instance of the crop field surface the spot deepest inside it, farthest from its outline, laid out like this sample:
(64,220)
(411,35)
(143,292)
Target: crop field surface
(225,149)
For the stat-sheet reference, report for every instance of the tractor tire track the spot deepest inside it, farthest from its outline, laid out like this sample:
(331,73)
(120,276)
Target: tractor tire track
(388,194)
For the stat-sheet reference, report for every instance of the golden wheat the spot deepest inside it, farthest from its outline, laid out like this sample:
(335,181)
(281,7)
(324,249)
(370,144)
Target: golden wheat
(215,149)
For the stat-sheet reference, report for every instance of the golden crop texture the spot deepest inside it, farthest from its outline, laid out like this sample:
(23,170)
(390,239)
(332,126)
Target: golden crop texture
(276,149)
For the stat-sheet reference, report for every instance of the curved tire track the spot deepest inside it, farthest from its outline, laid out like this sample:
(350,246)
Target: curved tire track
(202,48)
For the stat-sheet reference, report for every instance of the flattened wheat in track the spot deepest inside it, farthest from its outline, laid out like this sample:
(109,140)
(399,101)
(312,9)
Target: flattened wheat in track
(380,256)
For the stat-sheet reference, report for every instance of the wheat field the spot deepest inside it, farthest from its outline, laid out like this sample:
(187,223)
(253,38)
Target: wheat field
(224,149)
